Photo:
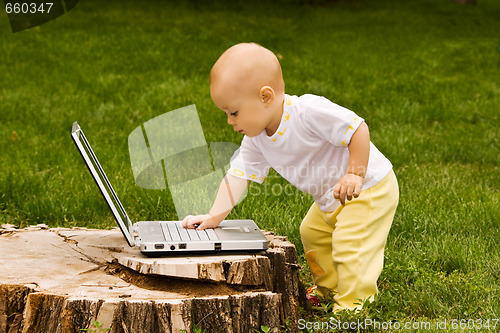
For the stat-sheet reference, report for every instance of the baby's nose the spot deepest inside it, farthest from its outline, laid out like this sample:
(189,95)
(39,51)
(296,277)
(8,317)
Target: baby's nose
(230,121)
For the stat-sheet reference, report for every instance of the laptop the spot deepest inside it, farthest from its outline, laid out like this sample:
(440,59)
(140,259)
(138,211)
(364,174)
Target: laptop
(156,238)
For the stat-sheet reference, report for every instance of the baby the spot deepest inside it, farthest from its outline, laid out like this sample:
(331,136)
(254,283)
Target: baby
(322,149)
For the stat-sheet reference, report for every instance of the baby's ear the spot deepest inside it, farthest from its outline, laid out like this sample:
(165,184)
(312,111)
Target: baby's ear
(266,94)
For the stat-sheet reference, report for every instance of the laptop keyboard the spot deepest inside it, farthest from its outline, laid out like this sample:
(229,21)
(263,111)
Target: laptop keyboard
(174,231)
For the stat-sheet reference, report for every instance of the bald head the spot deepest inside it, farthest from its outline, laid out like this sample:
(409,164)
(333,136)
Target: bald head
(246,83)
(247,67)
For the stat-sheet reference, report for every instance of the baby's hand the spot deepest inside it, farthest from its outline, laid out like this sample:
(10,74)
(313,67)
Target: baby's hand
(349,185)
(200,222)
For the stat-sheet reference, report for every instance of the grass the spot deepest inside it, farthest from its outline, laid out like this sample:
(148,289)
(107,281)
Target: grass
(424,75)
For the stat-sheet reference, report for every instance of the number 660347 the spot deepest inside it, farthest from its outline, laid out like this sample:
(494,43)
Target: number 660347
(28,8)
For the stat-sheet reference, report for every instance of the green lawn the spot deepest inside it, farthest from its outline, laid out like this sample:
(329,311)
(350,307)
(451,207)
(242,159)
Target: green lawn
(425,75)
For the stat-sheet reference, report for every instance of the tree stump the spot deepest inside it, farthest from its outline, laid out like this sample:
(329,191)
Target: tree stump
(64,280)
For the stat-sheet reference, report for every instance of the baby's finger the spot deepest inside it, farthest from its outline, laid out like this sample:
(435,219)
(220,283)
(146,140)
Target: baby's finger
(349,191)
(186,220)
(336,191)
(357,190)
(191,224)
(342,194)
(203,225)
(196,224)
(208,223)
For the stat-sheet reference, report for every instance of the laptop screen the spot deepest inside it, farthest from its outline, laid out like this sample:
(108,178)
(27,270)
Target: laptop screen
(102,182)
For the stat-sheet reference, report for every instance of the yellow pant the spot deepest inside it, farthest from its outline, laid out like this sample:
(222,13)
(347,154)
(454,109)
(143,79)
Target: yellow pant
(345,248)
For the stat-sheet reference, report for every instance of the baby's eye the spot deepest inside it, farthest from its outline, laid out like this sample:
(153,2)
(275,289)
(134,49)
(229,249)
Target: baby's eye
(234,114)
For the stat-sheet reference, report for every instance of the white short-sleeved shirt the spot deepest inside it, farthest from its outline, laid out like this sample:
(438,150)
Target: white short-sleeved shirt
(309,149)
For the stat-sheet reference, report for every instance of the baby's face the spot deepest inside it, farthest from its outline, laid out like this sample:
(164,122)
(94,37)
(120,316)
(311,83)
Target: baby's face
(246,112)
